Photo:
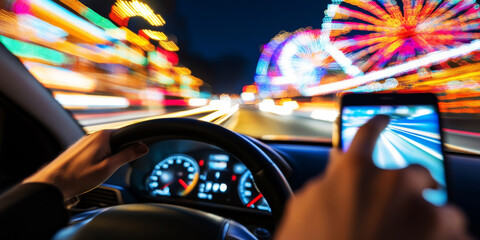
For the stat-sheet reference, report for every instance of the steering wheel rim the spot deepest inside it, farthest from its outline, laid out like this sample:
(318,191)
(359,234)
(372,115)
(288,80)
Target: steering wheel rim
(268,177)
(168,221)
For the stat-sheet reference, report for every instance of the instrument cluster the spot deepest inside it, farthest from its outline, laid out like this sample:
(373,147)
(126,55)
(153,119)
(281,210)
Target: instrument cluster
(200,173)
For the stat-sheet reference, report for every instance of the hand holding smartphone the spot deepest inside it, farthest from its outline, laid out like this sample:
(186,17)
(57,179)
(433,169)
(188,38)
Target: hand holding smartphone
(413,135)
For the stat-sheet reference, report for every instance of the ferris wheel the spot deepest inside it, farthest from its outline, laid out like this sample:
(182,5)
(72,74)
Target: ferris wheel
(297,60)
(375,34)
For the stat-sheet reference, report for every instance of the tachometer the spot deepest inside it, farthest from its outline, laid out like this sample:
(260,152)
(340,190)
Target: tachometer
(176,175)
(249,194)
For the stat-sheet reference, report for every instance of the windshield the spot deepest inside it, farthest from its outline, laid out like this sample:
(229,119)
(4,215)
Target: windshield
(269,69)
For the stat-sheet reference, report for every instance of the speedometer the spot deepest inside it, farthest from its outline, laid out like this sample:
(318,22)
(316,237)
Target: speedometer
(176,175)
(249,194)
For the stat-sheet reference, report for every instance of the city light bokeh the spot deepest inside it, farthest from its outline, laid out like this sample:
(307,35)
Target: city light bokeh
(91,62)
(109,73)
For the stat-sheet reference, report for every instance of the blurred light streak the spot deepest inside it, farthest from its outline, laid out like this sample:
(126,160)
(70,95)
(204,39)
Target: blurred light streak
(182,70)
(117,18)
(467,106)
(28,24)
(32,51)
(88,119)
(89,14)
(197,102)
(250,88)
(390,83)
(60,78)
(174,102)
(296,138)
(290,104)
(135,8)
(22,26)
(162,77)
(268,105)
(326,114)
(158,60)
(137,40)
(467,133)
(455,96)
(461,149)
(219,113)
(247,96)
(431,58)
(392,151)
(220,104)
(84,101)
(117,33)
(228,114)
(60,17)
(155,35)
(430,151)
(419,133)
(171,56)
(127,53)
(186,113)
(169,46)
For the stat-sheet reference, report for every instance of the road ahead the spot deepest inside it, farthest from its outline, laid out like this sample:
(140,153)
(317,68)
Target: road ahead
(460,134)
(259,124)
(252,122)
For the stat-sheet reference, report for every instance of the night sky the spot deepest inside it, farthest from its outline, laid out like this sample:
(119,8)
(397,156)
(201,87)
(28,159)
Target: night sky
(220,40)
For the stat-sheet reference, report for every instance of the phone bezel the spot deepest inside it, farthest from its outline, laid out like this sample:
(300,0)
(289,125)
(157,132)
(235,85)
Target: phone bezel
(395,99)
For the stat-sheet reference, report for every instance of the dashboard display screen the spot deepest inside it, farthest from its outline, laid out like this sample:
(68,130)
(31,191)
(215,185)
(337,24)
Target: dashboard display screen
(207,176)
(411,137)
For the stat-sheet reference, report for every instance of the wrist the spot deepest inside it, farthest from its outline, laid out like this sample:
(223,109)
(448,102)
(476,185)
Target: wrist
(42,177)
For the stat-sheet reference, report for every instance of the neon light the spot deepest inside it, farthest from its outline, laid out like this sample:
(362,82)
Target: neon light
(47,9)
(126,9)
(137,40)
(182,70)
(169,46)
(32,51)
(155,35)
(98,20)
(158,60)
(83,101)
(40,28)
(89,14)
(197,102)
(60,78)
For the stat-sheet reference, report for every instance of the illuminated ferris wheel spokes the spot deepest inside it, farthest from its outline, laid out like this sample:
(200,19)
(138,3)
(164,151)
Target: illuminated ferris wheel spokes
(303,59)
(375,34)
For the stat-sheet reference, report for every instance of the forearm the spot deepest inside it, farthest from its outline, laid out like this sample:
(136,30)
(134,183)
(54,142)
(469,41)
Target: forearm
(32,210)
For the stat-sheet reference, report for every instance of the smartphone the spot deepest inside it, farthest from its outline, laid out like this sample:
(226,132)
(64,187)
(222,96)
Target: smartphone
(413,135)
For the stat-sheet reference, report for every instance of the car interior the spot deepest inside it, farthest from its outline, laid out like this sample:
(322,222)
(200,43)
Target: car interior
(231,186)
(285,166)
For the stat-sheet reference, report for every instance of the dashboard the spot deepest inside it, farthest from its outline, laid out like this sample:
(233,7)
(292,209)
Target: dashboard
(307,160)
(184,170)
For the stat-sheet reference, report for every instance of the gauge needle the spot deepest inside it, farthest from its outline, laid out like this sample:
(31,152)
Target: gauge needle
(164,186)
(184,185)
(254,200)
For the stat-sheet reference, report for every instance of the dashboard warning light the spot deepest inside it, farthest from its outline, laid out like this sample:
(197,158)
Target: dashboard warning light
(201,163)
(234,177)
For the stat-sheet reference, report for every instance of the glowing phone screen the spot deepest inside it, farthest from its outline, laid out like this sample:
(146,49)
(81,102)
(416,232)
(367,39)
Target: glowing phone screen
(411,137)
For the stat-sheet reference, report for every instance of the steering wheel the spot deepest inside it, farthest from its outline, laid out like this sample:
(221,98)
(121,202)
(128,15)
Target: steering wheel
(149,221)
